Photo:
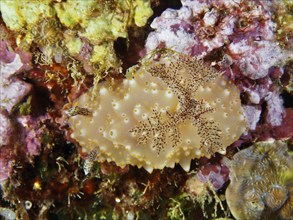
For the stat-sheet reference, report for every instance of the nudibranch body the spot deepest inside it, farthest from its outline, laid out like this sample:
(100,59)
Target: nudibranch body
(170,110)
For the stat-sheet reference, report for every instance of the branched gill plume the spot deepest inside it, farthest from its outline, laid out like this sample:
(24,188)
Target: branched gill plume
(183,76)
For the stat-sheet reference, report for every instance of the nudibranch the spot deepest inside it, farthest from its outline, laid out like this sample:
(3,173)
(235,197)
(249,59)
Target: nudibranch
(170,109)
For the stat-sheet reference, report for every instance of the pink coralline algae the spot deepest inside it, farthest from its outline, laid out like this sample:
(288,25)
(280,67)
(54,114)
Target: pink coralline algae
(275,108)
(5,128)
(12,91)
(238,38)
(5,164)
(199,27)
(216,174)
(32,132)
(255,58)
(252,114)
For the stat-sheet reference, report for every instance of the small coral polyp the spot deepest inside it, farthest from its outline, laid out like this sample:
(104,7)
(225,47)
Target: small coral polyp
(171,109)
(261,182)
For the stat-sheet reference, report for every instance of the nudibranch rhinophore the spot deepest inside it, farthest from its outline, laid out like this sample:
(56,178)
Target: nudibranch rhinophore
(171,109)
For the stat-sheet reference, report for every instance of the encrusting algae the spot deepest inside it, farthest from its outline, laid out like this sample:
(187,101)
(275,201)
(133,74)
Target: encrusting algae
(171,109)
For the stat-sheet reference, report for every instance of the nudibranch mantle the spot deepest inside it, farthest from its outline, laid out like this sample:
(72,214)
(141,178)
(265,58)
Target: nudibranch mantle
(171,109)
